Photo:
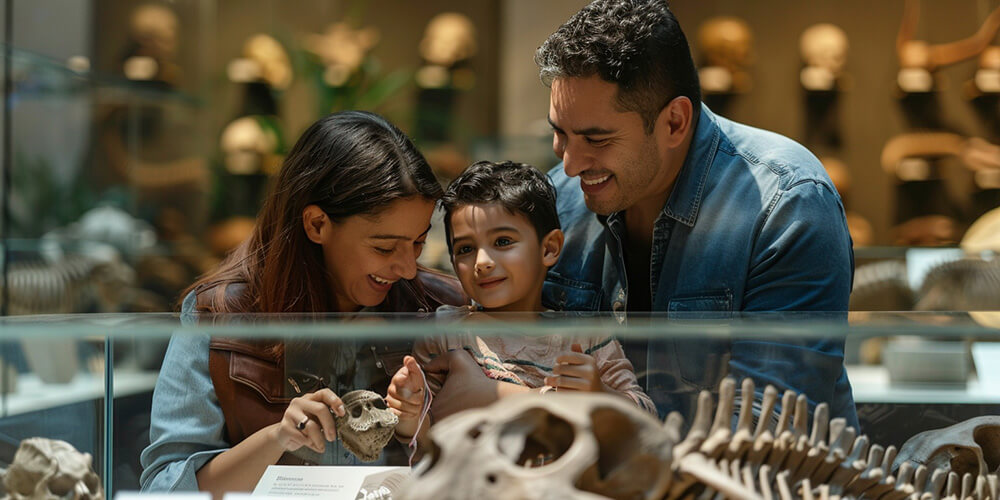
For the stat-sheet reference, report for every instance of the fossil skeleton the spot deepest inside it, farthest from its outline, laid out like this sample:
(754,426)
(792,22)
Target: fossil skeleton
(919,54)
(77,283)
(589,446)
(976,154)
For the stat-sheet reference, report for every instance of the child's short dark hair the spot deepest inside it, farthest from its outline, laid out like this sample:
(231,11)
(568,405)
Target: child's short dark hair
(518,187)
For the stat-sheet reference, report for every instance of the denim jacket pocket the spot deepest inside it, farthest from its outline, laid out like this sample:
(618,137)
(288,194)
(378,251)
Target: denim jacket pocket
(701,363)
(711,302)
(563,294)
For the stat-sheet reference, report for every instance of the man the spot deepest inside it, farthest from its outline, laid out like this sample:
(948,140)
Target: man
(693,212)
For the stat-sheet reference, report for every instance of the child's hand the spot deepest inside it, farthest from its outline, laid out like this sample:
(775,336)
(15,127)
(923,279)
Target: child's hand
(405,396)
(576,371)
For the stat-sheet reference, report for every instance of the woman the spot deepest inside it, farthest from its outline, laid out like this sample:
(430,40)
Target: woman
(339,232)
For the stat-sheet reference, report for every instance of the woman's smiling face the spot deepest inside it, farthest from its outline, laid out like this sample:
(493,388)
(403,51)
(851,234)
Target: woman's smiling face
(365,255)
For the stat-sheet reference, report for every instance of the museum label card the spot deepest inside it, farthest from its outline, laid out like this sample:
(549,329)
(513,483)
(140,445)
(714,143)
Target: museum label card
(328,482)
(986,355)
(138,495)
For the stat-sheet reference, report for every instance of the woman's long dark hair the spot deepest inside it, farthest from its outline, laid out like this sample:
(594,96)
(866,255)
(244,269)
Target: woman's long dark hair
(347,163)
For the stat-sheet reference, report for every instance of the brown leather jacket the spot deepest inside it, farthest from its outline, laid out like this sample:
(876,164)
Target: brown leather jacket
(249,374)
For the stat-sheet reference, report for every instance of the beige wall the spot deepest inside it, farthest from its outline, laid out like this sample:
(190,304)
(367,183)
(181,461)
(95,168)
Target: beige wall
(524,101)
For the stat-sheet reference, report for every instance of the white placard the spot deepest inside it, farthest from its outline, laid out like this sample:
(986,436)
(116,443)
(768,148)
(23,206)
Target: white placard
(242,495)
(986,355)
(319,482)
(137,495)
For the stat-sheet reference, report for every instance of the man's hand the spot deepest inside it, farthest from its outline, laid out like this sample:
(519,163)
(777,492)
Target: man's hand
(576,371)
(405,396)
(465,385)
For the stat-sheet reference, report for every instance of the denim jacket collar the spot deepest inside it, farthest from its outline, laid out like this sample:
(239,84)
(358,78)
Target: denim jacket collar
(685,199)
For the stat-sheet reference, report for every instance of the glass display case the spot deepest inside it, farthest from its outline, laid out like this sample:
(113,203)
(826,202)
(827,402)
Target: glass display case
(106,175)
(139,138)
(89,379)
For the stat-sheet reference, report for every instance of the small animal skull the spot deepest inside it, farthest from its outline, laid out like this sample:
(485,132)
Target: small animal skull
(367,424)
(972,446)
(580,446)
(49,469)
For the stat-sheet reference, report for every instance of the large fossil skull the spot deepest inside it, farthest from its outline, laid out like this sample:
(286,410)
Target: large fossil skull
(367,424)
(580,446)
(972,446)
(48,469)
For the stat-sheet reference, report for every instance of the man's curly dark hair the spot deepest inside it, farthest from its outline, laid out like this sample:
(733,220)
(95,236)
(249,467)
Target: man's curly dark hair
(636,44)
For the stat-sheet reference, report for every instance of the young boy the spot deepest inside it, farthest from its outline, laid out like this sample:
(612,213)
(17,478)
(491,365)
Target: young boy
(503,234)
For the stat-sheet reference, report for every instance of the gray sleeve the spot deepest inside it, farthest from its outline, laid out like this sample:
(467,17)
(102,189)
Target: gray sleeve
(186,421)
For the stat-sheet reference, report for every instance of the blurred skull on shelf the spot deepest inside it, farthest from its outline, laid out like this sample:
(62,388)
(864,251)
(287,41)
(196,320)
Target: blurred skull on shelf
(449,38)
(341,49)
(726,47)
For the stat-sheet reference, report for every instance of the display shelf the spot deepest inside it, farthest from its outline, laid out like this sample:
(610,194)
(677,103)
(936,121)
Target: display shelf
(38,76)
(721,325)
(871,384)
(34,395)
(117,427)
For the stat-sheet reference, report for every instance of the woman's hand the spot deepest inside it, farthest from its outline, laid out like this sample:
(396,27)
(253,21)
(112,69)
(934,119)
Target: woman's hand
(308,421)
(576,371)
(405,396)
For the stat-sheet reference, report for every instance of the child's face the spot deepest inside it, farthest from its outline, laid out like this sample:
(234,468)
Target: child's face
(498,257)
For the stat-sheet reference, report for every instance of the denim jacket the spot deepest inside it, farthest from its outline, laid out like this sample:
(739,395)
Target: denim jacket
(753,224)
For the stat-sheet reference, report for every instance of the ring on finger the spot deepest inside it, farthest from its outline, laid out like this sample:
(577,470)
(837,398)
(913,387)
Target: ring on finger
(302,425)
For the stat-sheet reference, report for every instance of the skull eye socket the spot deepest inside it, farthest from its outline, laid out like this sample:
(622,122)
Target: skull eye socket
(92,482)
(476,431)
(379,404)
(356,411)
(535,434)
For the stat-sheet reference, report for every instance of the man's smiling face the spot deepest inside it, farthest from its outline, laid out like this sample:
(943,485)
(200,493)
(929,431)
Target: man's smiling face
(617,162)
